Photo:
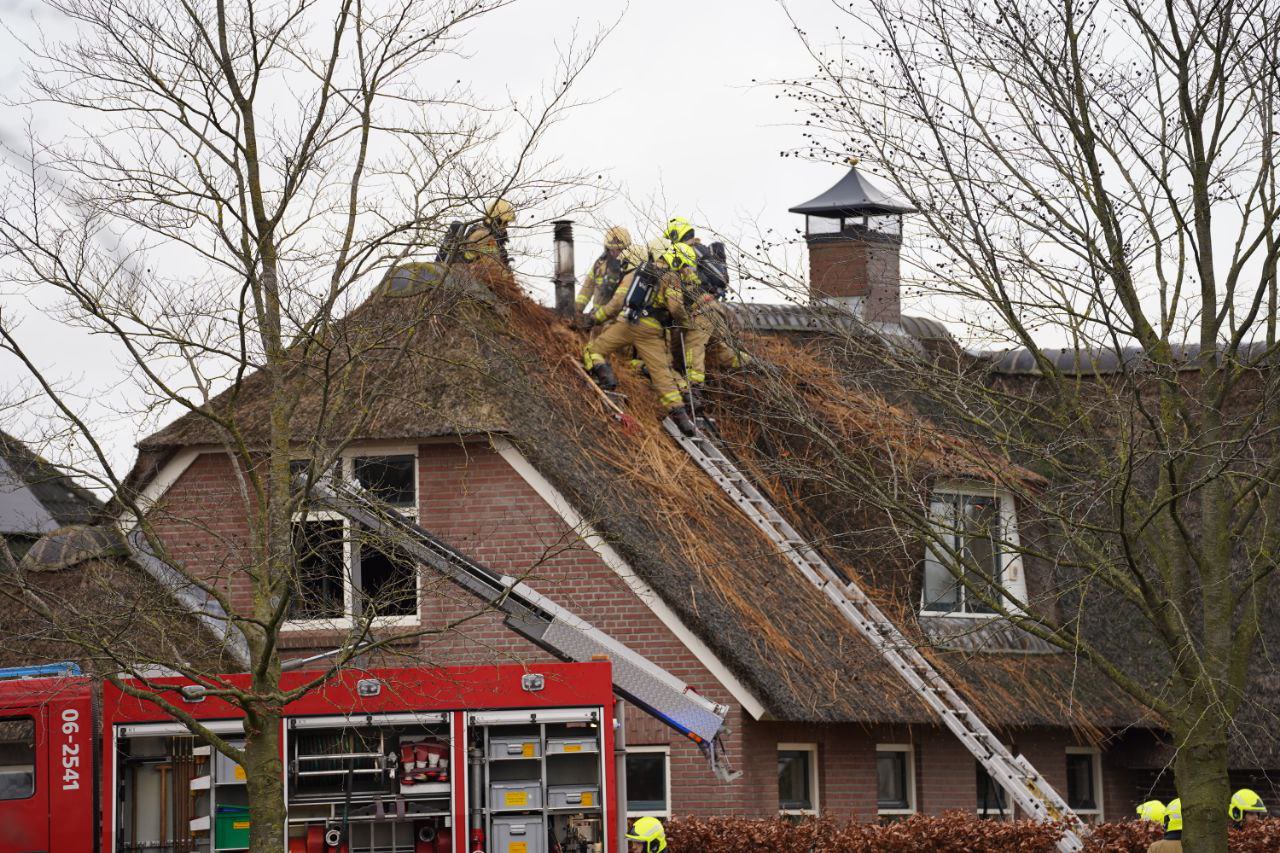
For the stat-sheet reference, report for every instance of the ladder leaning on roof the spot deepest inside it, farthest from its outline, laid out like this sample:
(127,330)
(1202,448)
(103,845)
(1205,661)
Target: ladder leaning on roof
(1028,789)
(532,615)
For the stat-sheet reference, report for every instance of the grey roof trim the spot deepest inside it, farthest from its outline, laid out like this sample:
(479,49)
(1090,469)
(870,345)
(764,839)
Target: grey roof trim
(775,317)
(853,194)
(1103,361)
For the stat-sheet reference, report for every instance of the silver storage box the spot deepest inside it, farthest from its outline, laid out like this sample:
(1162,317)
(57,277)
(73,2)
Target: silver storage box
(565,796)
(226,771)
(515,796)
(515,746)
(571,745)
(523,834)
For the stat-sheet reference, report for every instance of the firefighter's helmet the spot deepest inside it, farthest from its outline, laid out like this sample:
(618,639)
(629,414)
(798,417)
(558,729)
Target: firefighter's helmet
(633,256)
(1245,800)
(617,237)
(1152,810)
(649,831)
(678,230)
(500,212)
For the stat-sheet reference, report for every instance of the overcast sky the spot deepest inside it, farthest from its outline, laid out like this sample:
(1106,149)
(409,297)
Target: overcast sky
(718,165)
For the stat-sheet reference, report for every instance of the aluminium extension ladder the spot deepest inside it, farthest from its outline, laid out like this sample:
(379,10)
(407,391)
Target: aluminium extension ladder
(1013,773)
(636,679)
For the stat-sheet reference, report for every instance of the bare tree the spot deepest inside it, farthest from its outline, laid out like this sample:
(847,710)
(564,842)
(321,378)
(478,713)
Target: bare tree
(1099,177)
(243,171)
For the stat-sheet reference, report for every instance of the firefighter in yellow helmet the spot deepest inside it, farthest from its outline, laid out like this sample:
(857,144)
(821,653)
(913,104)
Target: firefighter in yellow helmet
(648,301)
(646,836)
(488,237)
(1172,841)
(1246,805)
(602,279)
(706,284)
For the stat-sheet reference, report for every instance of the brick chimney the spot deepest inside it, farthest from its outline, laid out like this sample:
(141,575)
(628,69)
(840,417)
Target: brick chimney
(854,233)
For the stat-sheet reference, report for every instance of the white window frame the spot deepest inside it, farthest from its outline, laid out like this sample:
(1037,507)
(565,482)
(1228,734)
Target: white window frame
(812,749)
(909,782)
(347,462)
(1013,579)
(1097,814)
(666,772)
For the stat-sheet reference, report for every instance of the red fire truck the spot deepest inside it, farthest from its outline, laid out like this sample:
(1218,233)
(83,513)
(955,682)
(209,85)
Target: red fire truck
(459,759)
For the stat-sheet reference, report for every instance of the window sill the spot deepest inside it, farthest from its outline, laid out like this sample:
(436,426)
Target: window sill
(895,812)
(958,614)
(664,815)
(330,626)
(297,638)
(798,812)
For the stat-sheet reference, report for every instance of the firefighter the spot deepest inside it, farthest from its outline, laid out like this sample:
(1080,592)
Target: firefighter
(650,300)
(602,279)
(646,836)
(488,237)
(706,284)
(1246,805)
(1172,841)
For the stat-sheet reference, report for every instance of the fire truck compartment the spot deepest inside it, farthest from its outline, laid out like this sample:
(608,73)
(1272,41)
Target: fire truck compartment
(543,778)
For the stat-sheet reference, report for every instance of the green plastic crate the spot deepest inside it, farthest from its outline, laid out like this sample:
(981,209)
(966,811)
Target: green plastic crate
(231,827)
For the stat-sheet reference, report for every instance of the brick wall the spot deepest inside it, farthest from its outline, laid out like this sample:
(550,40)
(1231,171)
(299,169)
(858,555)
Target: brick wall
(472,498)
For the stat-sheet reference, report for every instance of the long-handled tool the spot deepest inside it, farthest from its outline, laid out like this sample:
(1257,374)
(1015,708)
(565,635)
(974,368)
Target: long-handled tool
(624,420)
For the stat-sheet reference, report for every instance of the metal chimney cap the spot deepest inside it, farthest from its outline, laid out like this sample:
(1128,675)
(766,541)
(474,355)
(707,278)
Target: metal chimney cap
(853,195)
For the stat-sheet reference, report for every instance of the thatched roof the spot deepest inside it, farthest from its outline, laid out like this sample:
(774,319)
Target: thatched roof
(508,365)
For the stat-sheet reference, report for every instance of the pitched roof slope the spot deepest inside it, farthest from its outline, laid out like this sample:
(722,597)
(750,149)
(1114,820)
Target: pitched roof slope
(35,495)
(393,368)
(684,537)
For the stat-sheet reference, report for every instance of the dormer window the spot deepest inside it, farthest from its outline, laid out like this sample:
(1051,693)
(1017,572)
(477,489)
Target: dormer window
(974,537)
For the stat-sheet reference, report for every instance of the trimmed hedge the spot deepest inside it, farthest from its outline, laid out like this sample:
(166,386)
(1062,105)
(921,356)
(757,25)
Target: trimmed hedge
(952,832)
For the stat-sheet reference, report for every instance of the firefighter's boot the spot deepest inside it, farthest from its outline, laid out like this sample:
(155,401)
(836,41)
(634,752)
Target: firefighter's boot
(680,416)
(603,375)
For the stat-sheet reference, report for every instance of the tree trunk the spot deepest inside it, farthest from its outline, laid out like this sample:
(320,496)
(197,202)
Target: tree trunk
(265,780)
(1201,773)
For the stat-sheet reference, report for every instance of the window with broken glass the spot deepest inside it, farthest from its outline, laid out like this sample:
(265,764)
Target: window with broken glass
(347,571)
(971,532)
